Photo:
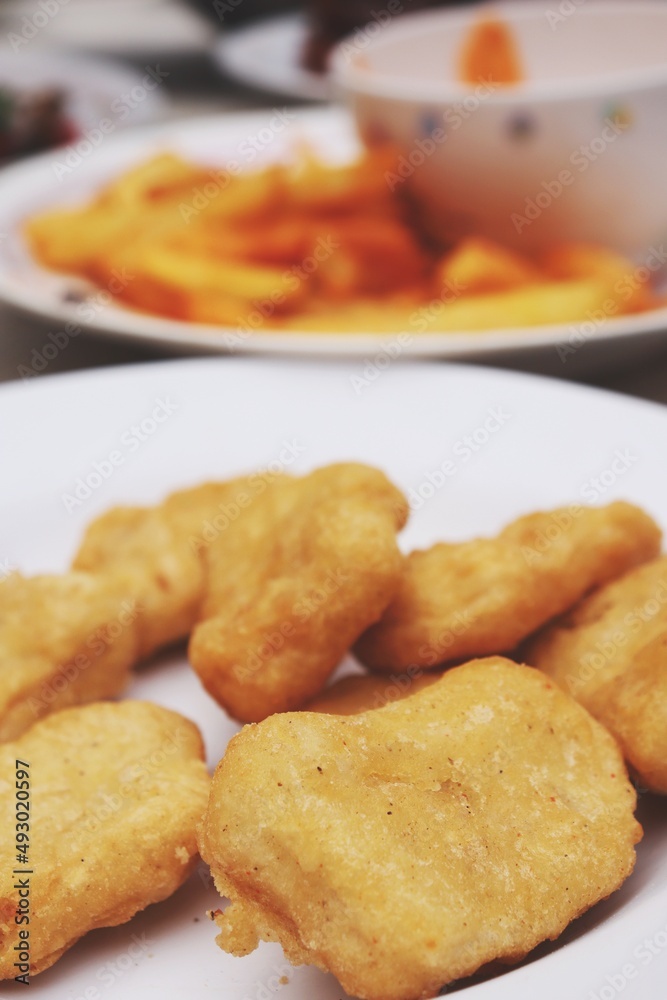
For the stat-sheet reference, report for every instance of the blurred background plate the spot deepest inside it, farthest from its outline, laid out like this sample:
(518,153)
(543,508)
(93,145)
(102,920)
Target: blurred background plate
(91,87)
(127,28)
(266,54)
(35,185)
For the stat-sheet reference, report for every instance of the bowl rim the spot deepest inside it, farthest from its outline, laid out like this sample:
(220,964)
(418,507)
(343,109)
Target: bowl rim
(351,79)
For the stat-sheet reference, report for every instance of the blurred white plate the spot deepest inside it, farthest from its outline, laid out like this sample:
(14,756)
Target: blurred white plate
(116,27)
(94,88)
(267,54)
(234,415)
(249,138)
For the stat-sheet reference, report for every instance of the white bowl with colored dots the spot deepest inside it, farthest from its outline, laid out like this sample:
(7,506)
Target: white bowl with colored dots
(576,150)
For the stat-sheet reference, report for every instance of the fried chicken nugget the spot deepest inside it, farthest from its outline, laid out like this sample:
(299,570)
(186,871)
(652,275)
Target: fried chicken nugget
(117,791)
(485,596)
(153,554)
(363,692)
(64,640)
(352,841)
(610,653)
(293,582)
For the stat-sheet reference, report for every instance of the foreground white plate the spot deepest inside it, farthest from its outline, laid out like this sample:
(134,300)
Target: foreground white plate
(252,139)
(267,54)
(553,443)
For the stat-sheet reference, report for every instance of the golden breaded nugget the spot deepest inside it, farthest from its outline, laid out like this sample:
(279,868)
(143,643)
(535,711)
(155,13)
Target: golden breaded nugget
(610,652)
(116,791)
(153,554)
(406,847)
(305,568)
(486,595)
(141,552)
(363,692)
(64,640)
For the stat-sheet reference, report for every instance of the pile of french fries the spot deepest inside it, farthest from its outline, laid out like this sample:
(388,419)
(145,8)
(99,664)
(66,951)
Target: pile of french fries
(311,247)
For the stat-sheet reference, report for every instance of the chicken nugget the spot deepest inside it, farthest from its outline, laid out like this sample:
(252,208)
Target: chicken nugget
(610,653)
(64,640)
(351,840)
(114,793)
(363,692)
(154,554)
(309,565)
(485,596)
(139,550)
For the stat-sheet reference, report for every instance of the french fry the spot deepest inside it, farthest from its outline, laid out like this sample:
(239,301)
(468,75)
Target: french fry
(583,260)
(533,305)
(545,302)
(201,289)
(312,247)
(478,265)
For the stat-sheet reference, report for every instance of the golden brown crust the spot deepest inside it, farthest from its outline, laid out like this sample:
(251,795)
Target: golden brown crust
(141,552)
(292,583)
(117,790)
(353,840)
(485,596)
(364,692)
(610,652)
(64,640)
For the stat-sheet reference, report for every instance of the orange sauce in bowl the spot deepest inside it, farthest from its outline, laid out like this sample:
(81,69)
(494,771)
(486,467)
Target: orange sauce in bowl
(490,55)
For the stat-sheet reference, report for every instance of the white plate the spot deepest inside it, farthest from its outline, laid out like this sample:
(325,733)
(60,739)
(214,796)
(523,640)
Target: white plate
(253,139)
(234,415)
(93,88)
(267,54)
(136,28)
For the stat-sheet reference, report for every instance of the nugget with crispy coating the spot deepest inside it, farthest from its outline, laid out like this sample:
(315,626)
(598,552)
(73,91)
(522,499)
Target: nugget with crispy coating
(153,554)
(362,692)
(352,840)
(293,582)
(486,595)
(138,549)
(116,793)
(610,652)
(64,640)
